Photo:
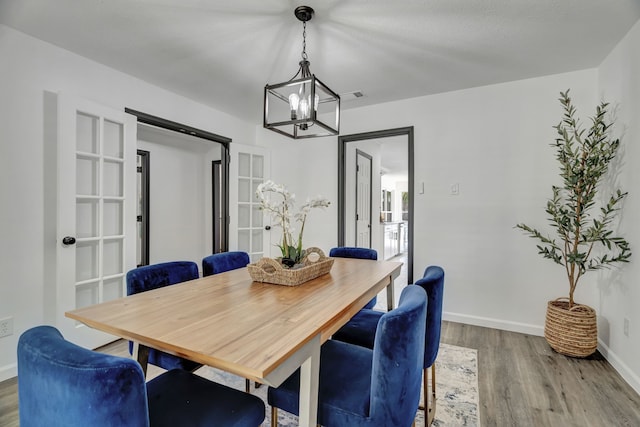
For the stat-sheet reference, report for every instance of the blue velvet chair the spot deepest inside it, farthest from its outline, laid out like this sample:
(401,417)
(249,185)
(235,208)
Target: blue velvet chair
(361,330)
(224,261)
(364,387)
(155,276)
(353,252)
(62,384)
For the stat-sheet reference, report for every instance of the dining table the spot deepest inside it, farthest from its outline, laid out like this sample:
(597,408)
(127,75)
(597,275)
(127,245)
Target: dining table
(259,331)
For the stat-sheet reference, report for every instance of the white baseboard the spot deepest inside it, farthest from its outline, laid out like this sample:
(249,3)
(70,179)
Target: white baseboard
(8,371)
(625,372)
(488,322)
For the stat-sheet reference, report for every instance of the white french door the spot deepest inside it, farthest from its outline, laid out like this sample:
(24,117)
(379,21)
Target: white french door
(363,199)
(96,224)
(249,227)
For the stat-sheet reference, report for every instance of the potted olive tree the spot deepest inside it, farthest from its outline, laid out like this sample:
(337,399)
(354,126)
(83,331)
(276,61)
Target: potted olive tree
(582,237)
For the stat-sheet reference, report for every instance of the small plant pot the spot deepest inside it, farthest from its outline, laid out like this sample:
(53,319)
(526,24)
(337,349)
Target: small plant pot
(571,331)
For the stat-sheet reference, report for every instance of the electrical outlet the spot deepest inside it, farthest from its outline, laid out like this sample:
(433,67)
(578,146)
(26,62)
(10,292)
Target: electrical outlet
(6,326)
(626,327)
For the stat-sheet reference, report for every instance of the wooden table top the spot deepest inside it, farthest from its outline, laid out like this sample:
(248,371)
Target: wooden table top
(230,322)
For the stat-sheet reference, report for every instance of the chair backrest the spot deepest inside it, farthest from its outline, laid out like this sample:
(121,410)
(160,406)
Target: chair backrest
(155,276)
(224,261)
(433,283)
(62,384)
(396,377)
(353,252)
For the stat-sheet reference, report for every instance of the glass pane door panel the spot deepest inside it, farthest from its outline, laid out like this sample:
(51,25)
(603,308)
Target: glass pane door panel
(87,172)
(87,133)
(112,257)
(112,288)
(244,240)
(256,241)
(244,164)
(257,216)
(87,219)
(254,186)
(113,139)
(86,260)
(113,224)
(244,190)
(87,294)
(113,182)
(244,218)
(258,166)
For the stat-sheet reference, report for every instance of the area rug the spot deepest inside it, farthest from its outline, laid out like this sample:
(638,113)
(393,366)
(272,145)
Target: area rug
(456,389)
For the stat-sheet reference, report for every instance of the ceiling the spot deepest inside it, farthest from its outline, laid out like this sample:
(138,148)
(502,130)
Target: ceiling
(222,52)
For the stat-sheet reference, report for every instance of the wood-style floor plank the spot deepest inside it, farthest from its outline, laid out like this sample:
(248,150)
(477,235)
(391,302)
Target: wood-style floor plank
(522,383)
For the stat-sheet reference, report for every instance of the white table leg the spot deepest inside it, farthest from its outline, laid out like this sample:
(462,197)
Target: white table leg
(309,382)
(390,293)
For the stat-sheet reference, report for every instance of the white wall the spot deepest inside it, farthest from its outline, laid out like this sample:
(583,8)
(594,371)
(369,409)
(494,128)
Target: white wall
(619,83)
(494,141)
(28,68)
(179,195)
(308,168)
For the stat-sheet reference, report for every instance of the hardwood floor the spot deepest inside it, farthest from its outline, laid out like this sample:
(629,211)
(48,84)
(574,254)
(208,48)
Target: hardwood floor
(9,403)
(522,383)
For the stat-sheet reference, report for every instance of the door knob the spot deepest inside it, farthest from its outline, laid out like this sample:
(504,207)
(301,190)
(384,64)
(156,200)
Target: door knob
(268,227)
(68,240)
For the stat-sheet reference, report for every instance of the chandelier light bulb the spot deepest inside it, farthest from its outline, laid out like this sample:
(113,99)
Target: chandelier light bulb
(294,100)
(304,108)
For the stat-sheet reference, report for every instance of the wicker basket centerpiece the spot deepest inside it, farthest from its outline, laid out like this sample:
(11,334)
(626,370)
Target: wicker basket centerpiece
(269,270)
(571,331)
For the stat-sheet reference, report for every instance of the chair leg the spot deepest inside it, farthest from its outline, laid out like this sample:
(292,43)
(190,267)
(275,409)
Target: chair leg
(429,406)
(247,386)
(274,416)
(430,412)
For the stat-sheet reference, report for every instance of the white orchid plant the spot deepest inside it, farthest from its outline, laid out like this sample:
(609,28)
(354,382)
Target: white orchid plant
(281,211)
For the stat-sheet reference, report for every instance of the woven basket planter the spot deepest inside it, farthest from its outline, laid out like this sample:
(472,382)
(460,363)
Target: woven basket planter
(268,270)
(572,332)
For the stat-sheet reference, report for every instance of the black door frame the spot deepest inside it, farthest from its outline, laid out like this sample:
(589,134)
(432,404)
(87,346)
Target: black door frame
(342,142)
(143,218)
(216,192)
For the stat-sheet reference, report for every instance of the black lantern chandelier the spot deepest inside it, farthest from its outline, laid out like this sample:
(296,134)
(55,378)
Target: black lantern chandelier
(302,107)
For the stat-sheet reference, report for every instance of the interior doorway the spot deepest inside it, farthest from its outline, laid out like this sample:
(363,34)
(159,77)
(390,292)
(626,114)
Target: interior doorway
(188,210)
(398,220)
